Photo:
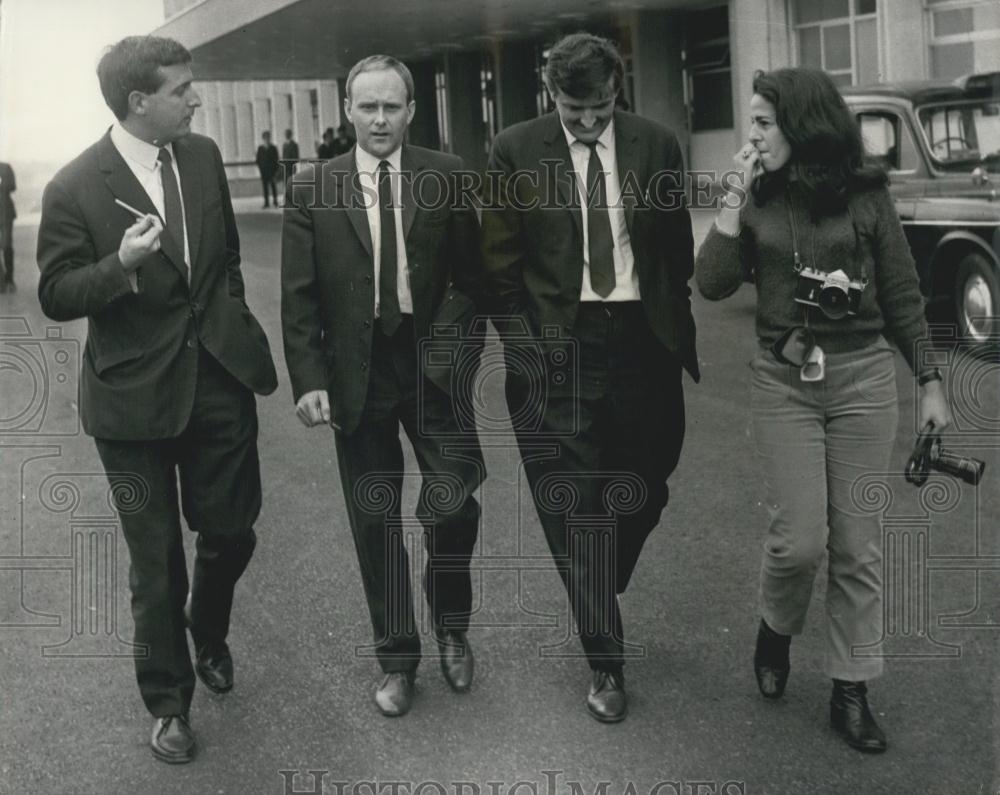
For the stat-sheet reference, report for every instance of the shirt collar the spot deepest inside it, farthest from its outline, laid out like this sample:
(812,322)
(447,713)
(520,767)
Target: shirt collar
(606,139)
(135,149)
(368,164)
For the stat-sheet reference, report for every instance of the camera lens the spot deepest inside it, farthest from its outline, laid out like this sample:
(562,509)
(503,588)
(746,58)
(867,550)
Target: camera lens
(833,301)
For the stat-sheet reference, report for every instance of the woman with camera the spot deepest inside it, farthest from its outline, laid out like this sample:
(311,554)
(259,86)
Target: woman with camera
(821,238)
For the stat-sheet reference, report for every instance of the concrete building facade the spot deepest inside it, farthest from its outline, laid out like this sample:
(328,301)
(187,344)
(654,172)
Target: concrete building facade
(477,64)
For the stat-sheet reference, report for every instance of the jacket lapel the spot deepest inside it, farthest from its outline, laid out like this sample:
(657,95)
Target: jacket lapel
(354,206)
(627,155)
(123,185)
(410,166)
(191,194)
(557,152)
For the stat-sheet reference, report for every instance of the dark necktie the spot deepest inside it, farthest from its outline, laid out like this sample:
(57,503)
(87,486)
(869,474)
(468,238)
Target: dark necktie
(173,214)
(388,300)
(599,239)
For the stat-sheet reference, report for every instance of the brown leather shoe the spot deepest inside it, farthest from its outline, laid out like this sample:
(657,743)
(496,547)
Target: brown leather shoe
(395,695)
(172,741)
(457,661)
(606,700)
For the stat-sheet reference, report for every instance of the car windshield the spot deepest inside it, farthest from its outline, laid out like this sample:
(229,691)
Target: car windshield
(960,133)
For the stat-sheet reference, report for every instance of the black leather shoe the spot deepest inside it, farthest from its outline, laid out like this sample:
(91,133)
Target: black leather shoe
(606,700)
(172,740)
(394,696)
(214,666)
(457,662)
(770,661)
(853,720)
(213,663)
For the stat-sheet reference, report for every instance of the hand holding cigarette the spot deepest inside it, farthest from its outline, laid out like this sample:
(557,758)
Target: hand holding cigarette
(140,240)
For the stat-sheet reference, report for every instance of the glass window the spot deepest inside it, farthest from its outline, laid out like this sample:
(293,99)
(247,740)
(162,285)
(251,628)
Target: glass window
(965,37)
(840,37)
(952,60)
(837,47)
(888,141)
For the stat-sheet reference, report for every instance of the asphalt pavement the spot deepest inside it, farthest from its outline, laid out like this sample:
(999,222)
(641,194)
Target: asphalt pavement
(301,717)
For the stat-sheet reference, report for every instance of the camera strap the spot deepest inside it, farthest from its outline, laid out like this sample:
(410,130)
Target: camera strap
(797,258)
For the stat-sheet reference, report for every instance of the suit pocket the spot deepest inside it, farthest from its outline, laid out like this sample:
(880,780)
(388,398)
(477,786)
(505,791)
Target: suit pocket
(109,360)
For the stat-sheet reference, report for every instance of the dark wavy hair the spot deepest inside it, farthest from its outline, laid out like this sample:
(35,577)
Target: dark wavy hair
(828,158)
(580,64)
(133,64)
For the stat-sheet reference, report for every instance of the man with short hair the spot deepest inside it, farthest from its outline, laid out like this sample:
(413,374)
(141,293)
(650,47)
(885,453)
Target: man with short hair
(289,155)
(138,235)
(366,269)
(267,165)
(588,248)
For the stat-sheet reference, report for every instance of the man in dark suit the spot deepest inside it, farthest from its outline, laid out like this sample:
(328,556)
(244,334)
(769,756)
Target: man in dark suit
(267,165)
(8,184)
(172,359)
(289,154)
(588,247)
(365,269)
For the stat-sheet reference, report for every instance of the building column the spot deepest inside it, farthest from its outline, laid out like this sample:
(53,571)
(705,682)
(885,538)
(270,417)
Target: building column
(465,109)
(517,82)
(759,38)
(305,131)
(424,127)
(657,43)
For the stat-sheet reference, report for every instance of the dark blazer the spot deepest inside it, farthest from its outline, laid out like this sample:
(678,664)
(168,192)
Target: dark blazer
(8,184)
(533,258)
(267,160)
(327,270)
(140,361)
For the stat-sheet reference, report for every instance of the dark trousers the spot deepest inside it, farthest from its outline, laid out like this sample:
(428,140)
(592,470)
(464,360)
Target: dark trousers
(618,434)
(270,184)
(215,461)
(371,472)
(7,235)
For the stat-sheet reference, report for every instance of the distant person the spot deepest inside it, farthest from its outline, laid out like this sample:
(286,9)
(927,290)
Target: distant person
(325,150)
(7,215)
(289,154)
(343,142)
(267,165)
(172,361)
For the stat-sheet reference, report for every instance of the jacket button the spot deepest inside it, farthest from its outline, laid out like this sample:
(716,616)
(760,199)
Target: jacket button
(190,343)
(368,279)
(368,324)
(364,366)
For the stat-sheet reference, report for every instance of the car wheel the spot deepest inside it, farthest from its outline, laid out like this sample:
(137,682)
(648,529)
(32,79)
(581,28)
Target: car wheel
(977,299)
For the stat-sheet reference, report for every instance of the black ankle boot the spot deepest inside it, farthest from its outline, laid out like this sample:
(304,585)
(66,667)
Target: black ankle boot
(851,717)
(770,661)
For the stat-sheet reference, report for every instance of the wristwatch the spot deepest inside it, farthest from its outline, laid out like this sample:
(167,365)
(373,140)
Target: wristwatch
(934,374)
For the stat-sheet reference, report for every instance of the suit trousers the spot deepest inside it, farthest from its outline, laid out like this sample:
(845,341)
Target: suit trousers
(600,491)
(814,442)
(215,461)
(371,471)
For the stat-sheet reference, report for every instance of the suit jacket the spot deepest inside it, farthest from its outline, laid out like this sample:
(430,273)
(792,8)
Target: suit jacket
(533,235)
(267,160)
(328,272)
(140,361)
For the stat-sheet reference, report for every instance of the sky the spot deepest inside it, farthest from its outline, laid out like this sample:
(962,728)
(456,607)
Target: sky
(51,107)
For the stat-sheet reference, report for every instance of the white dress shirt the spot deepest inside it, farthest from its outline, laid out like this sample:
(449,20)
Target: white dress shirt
(368,174)
(141,158)
(626,279)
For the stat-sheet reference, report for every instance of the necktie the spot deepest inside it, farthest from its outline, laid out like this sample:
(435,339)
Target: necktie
(173,213)
(387,297)
(600,242)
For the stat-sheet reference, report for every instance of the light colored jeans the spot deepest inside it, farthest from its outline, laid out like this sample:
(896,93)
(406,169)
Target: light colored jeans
(814,440)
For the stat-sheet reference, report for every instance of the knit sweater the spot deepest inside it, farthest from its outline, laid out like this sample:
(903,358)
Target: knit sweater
(891,304)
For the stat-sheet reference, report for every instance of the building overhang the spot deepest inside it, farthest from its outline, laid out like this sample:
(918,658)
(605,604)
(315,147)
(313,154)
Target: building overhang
(319,39)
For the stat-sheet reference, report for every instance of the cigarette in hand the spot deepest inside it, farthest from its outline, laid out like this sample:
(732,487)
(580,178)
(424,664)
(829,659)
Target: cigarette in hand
(130,208)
